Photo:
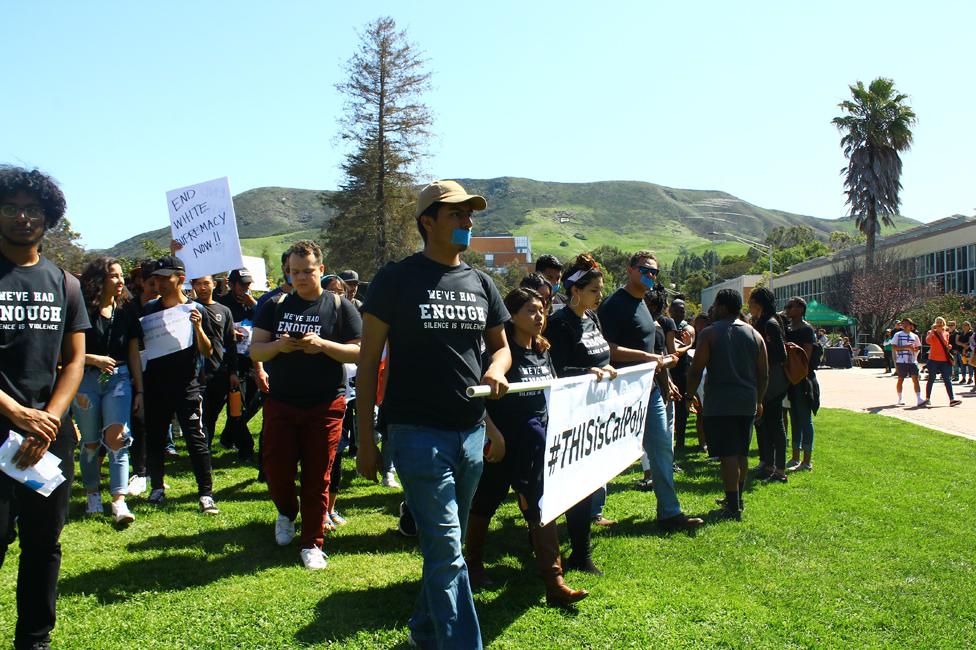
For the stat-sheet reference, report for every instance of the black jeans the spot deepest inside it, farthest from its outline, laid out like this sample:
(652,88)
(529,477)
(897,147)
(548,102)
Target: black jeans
(521,469)
(137,451)
(160,408)
(39,521)
(771,433)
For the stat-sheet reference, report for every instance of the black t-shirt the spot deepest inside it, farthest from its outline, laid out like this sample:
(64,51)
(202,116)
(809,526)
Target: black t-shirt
(627,322)
(577,344)
(665,324)
(239,311)
(219,327)
(110,336)
(37,308)
(513,411)
(180,372)
(437,316)
(802,334)
(772,334)
(963,341)
(302,379)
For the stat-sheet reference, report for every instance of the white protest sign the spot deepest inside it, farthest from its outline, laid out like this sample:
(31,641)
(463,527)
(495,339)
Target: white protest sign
(167,331)
(202,219)
(595,431)
(258,271)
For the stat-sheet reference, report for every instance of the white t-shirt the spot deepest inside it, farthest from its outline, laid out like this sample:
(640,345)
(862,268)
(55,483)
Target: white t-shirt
(906,339)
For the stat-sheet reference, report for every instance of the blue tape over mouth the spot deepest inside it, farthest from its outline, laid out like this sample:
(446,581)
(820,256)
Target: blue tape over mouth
(461,236)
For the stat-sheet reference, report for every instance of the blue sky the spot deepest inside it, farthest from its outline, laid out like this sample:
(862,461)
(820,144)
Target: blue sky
(122,101)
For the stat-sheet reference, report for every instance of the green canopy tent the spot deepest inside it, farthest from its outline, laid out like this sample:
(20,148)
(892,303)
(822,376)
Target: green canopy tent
(824,316)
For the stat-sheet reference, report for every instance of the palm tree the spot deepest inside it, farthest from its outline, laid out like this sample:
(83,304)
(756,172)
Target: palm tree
(876,127)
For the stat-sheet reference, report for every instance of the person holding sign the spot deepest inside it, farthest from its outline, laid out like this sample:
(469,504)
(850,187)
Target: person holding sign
(632,332)
(174,383)
(42,324)
(578,348)
(521,420)
(309,334)
(436,312)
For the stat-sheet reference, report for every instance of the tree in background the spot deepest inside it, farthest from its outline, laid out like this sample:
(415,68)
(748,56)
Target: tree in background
(876,128)
(387,124)
(839,240)
(61,246)
(881,293)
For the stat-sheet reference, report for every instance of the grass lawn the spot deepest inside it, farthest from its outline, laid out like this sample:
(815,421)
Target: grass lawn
(875,548)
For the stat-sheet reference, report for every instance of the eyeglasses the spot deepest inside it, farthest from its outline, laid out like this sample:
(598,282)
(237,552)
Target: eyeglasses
(648,270)
(33,213)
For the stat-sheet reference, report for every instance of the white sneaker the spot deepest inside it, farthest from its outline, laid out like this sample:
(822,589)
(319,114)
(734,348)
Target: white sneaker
(314,559)
(121,514)
(137,485)
(284,530)
(792,466)
(900,402)
(208,507)
(389,480)
(806,467)
(94,506)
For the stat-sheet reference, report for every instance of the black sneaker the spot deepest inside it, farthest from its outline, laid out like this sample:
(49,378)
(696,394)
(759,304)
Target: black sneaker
(727,514)
(157,496)
(722,502)
(406,526)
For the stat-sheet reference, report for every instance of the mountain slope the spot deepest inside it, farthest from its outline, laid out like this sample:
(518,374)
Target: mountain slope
(559,218)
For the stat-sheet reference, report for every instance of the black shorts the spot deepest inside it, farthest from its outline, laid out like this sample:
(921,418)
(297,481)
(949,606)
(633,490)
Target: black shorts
(907,369)
(729,435)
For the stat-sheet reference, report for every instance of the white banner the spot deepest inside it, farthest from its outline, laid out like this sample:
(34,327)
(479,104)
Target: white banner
(202,219)
(167,331)
(595,431)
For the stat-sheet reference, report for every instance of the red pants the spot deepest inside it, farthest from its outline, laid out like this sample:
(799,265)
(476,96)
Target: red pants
(310,436)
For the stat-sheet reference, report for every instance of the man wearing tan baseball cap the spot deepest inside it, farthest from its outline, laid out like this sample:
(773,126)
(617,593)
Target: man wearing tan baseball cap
(435,310)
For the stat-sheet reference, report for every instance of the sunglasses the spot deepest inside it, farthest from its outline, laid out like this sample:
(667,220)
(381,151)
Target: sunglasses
(648,270)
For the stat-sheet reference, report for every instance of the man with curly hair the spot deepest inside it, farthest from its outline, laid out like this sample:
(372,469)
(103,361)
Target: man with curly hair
(42,322)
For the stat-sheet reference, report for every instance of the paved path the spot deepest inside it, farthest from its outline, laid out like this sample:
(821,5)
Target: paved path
(871,391)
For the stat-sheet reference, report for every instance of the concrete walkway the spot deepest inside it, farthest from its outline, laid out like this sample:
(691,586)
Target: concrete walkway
(871,391)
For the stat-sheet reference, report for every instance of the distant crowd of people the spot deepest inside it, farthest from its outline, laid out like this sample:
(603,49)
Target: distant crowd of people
(332,369)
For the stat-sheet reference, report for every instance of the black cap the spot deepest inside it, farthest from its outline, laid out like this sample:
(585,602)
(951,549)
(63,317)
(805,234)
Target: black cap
(349,276)
(169,265)
(146,268)
(240,275)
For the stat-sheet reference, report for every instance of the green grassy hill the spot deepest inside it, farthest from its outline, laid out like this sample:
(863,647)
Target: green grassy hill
(559,218)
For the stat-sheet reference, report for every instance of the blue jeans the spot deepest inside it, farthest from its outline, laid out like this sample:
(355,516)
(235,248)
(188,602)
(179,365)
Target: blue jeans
(96,407)
(440,471)
(801,421)
(935,368)
(660,453)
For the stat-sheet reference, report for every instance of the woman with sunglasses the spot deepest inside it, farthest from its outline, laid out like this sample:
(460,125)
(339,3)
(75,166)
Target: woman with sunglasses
(578,348)
(521,420)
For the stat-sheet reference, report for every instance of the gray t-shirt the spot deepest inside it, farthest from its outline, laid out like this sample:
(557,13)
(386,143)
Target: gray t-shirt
(731,383)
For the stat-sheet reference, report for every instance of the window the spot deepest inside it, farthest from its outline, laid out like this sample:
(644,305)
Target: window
(940,262)
(490,260)
(950,260)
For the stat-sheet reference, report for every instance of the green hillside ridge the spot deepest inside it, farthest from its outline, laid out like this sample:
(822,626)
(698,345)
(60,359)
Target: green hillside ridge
(559,218)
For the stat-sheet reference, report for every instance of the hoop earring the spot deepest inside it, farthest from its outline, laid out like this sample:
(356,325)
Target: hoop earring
(574,301)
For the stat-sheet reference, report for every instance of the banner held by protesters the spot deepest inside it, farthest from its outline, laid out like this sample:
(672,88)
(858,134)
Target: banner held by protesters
(595,432)
(202,220)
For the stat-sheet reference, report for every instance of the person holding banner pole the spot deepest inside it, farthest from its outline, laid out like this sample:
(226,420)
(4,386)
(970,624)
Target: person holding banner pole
(578,348)
(521,420)
(735,356)
(631,330)
(437,313)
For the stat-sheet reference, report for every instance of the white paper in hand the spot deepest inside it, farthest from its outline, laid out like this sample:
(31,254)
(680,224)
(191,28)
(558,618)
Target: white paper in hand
(43,477)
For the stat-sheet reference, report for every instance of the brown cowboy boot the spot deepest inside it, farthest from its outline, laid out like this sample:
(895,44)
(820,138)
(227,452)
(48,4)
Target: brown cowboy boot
(474,551)
(546,545)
